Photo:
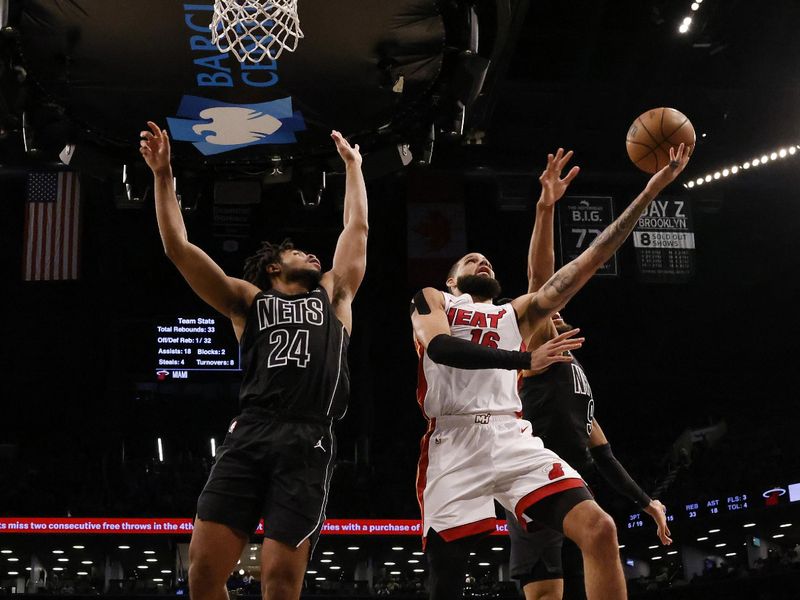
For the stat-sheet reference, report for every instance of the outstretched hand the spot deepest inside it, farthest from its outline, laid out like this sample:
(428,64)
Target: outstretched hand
(659,513)
(349,154)
(553,186)
(678,159)
(553,351)
(155,149)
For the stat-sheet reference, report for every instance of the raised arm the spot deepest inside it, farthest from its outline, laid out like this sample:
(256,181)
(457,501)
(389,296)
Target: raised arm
(566,282)
(541,256)
(228,295)
(618,478)
(350,258)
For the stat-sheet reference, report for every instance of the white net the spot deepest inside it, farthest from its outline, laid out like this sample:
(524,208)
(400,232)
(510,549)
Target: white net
(254,30)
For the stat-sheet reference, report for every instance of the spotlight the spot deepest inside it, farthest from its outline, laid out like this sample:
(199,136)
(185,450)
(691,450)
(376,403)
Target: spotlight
(708,178)
(746,165)
(756,162)
(725,172)
(717,175)
(782,152)
(690,184)
(773,156)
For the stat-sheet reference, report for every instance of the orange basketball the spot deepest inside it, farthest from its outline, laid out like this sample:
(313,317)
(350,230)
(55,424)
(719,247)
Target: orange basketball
(653,133)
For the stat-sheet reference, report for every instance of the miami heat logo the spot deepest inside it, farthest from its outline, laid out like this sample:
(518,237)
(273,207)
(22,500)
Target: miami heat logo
(555,472)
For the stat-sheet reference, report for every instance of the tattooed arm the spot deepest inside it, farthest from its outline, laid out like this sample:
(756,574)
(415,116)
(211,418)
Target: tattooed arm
(565,283)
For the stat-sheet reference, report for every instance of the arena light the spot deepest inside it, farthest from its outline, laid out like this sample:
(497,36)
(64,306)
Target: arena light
(124,547)
(652,547)
(151,560)
(5,552)
(397,548)
(702,539)
(311,572)
(166,571)
(86,562)
(419,570)
(13,573)
(157,579)
(671,552)
(78,547)
(149,551)
(253,557)
(413,561)
(484,564)
(241,571)
(714,530)
(58,552)
(328,560)
(142,567)
(735,169)
(657,558)
(253,548)
(722,545)
(213,448)
(746,525)
(357,548)
(335,568)
(83,572)
(59,560)
(58,568)
(160,451)
(319,579)
(777,536)
(328,553)
(386,564)
(621,546)
(785,525)
(497,549)
(687,21)
(731,554)
(394,572)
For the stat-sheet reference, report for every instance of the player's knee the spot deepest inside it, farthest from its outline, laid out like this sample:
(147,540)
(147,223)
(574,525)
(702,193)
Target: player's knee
(279,585)
(203,578)
(601,533)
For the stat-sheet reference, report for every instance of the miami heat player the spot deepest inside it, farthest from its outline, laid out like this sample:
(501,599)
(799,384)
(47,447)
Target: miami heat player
(476,449)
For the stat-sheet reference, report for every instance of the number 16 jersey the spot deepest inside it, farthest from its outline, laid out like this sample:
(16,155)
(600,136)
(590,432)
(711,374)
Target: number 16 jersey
(444,390)
(294,357)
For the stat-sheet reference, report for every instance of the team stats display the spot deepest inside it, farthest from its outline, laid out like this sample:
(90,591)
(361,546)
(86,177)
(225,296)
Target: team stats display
(193,343)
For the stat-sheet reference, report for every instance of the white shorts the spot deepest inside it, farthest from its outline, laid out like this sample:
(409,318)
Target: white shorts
(469,461)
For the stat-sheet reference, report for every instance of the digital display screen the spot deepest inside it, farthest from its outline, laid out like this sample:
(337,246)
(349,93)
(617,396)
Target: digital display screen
(188,344)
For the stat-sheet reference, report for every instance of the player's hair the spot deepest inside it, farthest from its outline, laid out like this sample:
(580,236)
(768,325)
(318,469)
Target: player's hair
(255,267)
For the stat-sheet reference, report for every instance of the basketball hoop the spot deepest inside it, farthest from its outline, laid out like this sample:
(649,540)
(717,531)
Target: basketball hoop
(255,29)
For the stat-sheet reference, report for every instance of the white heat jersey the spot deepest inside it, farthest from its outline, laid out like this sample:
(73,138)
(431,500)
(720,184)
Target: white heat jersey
(444,390)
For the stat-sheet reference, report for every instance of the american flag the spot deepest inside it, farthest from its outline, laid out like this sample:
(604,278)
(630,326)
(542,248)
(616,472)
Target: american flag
(52,219)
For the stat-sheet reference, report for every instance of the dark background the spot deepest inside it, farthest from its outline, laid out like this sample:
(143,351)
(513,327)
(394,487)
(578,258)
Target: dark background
(660,358)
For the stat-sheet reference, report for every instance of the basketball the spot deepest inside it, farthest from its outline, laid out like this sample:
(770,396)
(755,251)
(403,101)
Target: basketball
(653,133)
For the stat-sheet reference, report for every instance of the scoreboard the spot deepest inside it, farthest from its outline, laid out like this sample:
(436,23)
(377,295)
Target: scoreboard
(191,343)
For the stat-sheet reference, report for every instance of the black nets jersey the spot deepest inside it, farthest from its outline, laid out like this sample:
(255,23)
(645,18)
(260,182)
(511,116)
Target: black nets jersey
(294,357)
(559,405)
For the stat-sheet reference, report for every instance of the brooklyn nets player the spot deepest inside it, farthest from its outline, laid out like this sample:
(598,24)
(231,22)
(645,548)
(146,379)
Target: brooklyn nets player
(558,402)
(293,323)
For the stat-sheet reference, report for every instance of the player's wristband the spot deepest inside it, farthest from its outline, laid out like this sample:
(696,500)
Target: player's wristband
(462,354)
(617,476)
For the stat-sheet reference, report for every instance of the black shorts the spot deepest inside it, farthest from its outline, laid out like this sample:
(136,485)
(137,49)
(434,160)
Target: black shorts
(543,552)
(277,470)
